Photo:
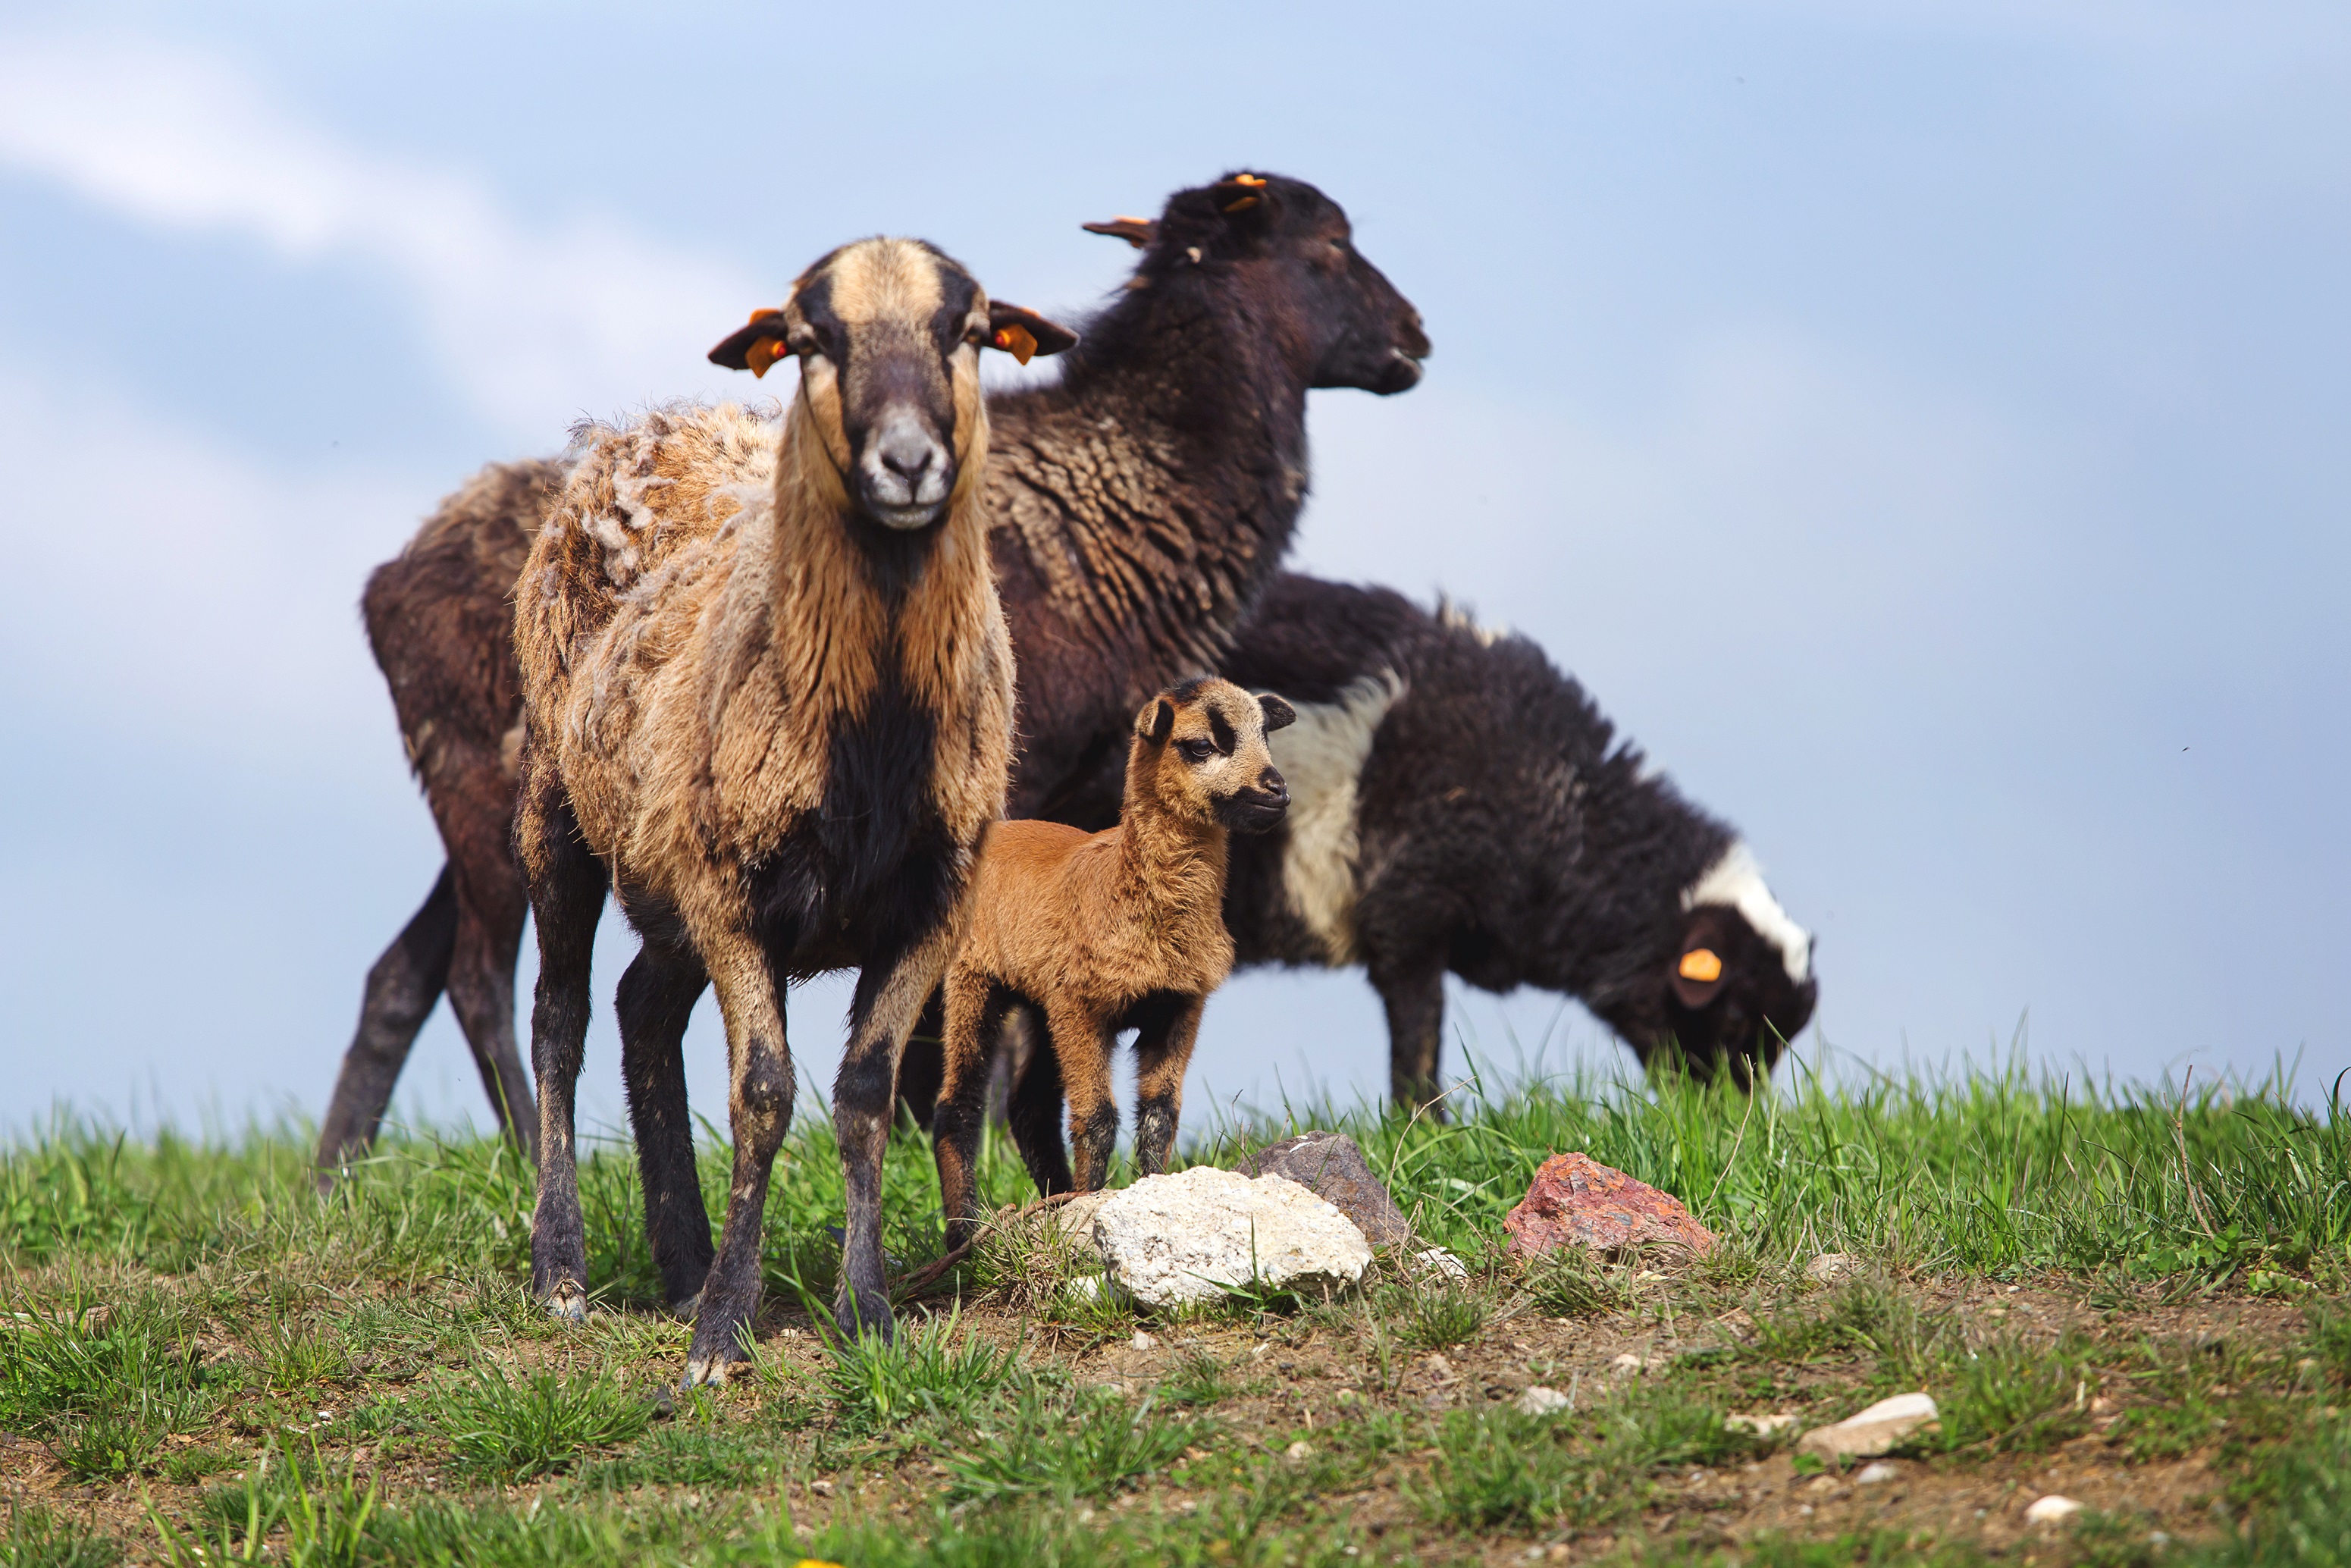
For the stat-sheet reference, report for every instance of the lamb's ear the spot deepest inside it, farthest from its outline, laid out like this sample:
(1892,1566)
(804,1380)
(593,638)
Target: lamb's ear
(1156,722)
(755,348)
(1022,333)
(1279,715)
(1698,967)
(1136,232)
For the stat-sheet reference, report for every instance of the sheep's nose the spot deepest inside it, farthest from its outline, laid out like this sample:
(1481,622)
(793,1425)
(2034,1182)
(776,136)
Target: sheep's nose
(907,451)
(1273,782)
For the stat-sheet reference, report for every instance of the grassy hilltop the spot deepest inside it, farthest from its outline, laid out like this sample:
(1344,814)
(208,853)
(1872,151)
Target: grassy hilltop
(2135,1300)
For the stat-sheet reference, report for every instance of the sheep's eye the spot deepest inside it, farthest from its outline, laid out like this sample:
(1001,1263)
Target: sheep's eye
(1196,750)
(804,340)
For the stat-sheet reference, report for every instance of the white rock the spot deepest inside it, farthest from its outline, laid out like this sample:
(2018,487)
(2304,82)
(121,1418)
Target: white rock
(1830,1267)
(1629,1365)
(1438,1260)
(1762,1426)
(1175,1239)
(1540,1401)
(1145,1342)
(1873,1431)
(2052,1510)
(1300,1449)
(1871,1474)
(1075,1217)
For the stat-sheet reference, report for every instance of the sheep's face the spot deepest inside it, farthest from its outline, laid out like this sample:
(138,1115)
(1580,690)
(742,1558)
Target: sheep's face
(1729,1000)
(1200,750)
(888,334)
(1334,315)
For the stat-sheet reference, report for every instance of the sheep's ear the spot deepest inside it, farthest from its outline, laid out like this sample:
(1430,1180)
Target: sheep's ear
(1699,966)
(1156,722)
(1246,199)
(1136,232)
(1023,334)
(755,348)
(1279,715)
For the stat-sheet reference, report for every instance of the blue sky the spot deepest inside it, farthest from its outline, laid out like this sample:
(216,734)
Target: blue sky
(1921,426)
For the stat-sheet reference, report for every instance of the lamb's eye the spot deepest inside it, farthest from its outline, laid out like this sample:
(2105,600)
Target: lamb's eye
(1196,750)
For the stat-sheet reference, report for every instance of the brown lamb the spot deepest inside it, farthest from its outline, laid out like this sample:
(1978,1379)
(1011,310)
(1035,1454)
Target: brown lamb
(1105,931)
(768,695)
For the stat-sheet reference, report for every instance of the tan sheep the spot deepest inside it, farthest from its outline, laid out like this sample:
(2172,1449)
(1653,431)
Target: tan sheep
(768,697)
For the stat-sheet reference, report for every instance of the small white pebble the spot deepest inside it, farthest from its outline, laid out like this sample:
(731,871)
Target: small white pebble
(822,1488)
(1872,1474)
(1300,1449)
(1145,1342)
(2159,1538)
(1628,1364)
(1540,1401)
(1260,1351)
(1443,1262)
(2050,1510)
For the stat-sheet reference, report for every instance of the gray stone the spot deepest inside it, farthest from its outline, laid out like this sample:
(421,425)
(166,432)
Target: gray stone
(1537,1400)
(1871,1432)
(1182,1237)
(1332,1166)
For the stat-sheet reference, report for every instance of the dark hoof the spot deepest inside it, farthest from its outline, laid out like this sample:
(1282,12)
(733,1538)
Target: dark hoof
(685,1311)
(568,1301)
(865,1312)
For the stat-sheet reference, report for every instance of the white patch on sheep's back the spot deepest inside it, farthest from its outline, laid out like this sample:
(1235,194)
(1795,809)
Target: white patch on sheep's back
(1458,619)
(1322,756)
(1736,881)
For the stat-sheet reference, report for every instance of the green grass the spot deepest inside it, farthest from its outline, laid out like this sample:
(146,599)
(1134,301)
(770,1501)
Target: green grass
(237,1370)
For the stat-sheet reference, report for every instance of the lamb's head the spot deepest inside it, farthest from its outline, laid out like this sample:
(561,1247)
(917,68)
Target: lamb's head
(1199,754)
(888,334)
(1291,249)
(1736,986)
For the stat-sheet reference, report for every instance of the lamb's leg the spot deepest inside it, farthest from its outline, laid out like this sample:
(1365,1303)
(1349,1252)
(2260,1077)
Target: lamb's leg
(759,1093)
(1035,1114)
(1414,994)
(974,1014)
(889,995)
(1163,1050)
(922,1066)
(566,895)
(1084,1042)
(490,909)
(655,998)
(401,990)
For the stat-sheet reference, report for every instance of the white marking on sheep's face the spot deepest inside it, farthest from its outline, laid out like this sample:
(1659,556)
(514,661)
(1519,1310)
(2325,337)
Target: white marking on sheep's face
(1736,882)
(1323,756)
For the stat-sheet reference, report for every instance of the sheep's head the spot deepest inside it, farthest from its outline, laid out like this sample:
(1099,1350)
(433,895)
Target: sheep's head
(888,333)
(1734,987)
(1341,322)
(1200,753)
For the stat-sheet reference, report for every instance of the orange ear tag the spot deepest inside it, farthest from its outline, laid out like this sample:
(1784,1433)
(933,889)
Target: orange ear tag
(1243,205)
(1699,964)
(1018,341)
(1246,179)
(762,355)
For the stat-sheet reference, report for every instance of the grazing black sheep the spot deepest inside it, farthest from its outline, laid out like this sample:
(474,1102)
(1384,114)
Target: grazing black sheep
(1458,804)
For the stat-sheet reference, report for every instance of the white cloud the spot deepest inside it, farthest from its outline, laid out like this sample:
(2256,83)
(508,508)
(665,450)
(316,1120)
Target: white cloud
(532,325)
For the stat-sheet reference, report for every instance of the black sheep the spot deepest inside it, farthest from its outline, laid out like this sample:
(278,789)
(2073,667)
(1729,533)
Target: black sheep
(1458,804)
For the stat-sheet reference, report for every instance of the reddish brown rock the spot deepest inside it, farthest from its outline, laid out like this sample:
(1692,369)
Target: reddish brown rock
(1577,1201)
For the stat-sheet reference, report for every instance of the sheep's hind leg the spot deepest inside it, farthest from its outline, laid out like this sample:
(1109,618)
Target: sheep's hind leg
(760,1088)
(1084,1043)
(1035,1113)
(655,998)
(976,1006)
(567,892)
(401,990)
(1162,1052)
(889,995)
(1413,995)
(490,909)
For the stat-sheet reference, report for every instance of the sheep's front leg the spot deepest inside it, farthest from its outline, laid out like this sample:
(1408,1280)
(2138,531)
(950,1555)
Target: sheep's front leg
(976,1006)
(759,1090)
(1082,1040)
(890,996)
(566,895)
(1162,1052)
(656,997)
(1413,993)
